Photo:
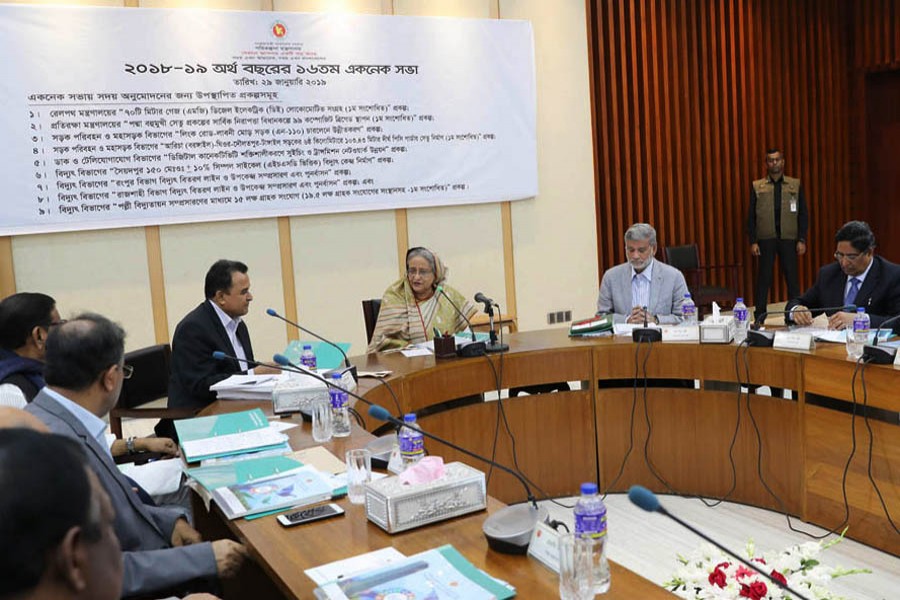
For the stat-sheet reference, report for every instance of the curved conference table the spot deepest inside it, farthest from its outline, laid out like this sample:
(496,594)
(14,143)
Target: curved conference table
(565,438)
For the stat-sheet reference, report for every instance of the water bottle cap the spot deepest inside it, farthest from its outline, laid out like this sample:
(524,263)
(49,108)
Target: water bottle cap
(409,418)
(307,346)
(860,309)
(740,300)
(336,376)
(687,295)
(588,488)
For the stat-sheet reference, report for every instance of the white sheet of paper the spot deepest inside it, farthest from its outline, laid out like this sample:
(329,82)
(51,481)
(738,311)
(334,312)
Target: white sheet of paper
(234,442)
(348,567)
(411,352)
(157,477)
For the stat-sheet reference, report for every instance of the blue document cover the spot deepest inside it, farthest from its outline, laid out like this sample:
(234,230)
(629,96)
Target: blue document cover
(297,488)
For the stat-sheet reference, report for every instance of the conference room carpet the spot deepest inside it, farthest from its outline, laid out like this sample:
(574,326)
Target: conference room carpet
(648,543)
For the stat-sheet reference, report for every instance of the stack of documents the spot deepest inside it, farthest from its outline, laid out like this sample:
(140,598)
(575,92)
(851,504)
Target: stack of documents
(224,435)
(299,487)
(247,387)
(208,480)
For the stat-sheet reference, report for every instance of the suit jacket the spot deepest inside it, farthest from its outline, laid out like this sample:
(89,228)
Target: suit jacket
(197,336)
(151,564)
(879,293)
(667,290)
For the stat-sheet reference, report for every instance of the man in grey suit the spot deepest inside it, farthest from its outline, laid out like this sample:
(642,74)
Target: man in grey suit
(84,371)
(642,288)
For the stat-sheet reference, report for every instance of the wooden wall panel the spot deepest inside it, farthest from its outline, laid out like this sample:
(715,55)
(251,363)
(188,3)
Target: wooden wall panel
(875,41)
(688,95)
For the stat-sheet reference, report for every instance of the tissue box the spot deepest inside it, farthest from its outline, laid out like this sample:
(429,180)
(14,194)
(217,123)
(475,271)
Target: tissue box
(717,330)
(297,394)
(396,507)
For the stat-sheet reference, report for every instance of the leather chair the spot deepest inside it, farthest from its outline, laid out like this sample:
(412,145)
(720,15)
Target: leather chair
(704,280)
(150,381)
(370,309)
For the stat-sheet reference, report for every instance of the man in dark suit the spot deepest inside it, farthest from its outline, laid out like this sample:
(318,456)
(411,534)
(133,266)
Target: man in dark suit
(57,531)
(84,371)
(215,325)
(857,277)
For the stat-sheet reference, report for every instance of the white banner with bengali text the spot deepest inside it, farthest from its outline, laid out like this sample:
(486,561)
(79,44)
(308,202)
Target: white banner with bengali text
(116,117)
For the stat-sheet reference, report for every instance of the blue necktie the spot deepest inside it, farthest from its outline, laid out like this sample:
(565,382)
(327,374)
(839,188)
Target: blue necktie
(850,298)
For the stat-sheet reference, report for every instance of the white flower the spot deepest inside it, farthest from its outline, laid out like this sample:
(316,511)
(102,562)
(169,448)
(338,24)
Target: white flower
(798,564)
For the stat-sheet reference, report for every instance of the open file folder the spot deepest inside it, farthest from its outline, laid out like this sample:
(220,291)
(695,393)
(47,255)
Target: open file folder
(224,435)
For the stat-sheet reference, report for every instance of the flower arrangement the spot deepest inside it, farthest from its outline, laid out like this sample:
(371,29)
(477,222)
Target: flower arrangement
(708,574)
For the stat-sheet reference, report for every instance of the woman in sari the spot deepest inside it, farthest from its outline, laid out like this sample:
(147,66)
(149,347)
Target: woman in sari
(412,308)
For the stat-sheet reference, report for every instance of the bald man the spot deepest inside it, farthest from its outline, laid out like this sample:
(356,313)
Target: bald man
(11,418)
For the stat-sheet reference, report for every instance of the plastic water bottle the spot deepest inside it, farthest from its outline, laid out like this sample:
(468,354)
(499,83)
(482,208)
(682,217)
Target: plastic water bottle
(590,521)
(340,408)
(689,311)
(308,357)
(740,320)
(859,335)
(412,442)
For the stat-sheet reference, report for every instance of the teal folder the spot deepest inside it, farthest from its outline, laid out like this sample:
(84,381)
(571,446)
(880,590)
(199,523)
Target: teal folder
(200,428)
(242,471)
(327,356)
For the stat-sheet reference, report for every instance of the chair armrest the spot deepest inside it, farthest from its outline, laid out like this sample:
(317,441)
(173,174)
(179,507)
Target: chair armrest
(138,458)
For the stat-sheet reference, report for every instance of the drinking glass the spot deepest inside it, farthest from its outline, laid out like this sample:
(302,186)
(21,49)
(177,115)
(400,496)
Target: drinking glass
(359,472)
(577,556)
(321,420)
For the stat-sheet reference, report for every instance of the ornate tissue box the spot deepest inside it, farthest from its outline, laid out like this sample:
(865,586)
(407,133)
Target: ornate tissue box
(396,507)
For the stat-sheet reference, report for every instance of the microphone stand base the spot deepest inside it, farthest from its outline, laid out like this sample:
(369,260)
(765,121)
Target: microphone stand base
(471,349)
(496,347)
(509,529)
(646,334)
(760,339)
(879,355)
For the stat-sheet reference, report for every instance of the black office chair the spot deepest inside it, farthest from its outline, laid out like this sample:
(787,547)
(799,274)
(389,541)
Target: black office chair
(150,381)
(371,309)
(699,278)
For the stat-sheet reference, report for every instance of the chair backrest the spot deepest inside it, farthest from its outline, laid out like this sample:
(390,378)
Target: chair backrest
(371,308)
(683,258)
(150,380)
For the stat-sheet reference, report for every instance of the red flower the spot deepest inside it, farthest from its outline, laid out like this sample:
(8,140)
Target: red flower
(755,591)
(723,565)
(743,571)
(778,577)
(717,577)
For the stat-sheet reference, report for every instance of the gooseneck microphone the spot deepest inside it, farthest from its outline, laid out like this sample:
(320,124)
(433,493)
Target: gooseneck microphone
(644,498)
(352,368)
(646,333)
(493,345)
(880,355)
(381,413)
(488,303)
(475,348)
(509,529)
(764,339)
(219,355)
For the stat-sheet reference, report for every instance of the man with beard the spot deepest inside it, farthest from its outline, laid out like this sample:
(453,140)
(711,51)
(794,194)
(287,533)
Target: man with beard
(642,288)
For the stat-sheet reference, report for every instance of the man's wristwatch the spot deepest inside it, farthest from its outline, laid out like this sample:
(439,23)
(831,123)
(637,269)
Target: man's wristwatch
(129,445)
